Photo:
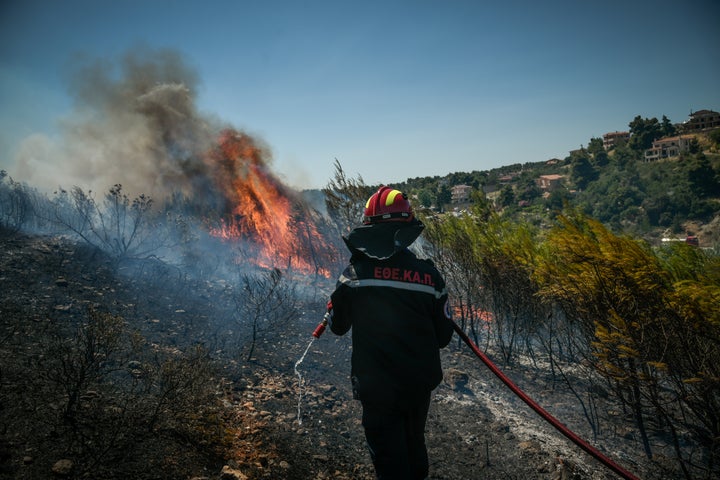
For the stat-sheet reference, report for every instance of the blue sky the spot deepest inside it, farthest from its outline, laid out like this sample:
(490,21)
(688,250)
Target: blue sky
(392,89)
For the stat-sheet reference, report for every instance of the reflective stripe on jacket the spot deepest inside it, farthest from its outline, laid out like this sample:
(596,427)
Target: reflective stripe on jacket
(396,308)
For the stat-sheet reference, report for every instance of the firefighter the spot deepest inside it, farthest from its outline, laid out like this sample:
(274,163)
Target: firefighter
(396,305)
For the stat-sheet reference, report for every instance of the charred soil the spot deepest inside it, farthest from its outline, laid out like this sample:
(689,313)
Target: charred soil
(172,394)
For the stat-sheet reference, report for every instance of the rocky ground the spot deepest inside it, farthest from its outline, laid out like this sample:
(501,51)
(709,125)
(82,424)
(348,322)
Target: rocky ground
(476,429)
(283,426)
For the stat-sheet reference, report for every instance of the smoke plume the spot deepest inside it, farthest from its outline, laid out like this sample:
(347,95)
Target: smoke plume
(134,122)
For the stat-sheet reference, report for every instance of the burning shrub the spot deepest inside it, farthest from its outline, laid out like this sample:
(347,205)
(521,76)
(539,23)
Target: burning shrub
(270,223)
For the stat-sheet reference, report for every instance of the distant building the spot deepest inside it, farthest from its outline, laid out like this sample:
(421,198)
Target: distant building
(550,182)
(611,139)
(506,179)
(668,147)
(702,120)
(461,193)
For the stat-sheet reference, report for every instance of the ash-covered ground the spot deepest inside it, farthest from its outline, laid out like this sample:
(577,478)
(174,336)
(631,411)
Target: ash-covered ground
(477,429)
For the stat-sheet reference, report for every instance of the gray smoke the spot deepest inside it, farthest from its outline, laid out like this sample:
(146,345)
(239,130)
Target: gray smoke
(134,122)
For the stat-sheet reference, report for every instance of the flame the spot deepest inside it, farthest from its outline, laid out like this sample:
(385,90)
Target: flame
(473,313)
(260,211)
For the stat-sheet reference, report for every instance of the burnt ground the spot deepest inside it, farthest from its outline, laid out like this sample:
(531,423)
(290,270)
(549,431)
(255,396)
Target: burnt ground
(476,428)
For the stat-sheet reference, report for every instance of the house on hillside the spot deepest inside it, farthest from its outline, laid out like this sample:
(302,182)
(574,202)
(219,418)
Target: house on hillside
(668,147)
(550,182)
(701,120)
(611,139)
(508,178)
(461,193)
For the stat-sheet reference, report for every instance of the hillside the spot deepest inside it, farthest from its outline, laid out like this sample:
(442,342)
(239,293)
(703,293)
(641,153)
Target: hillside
(668,198)
(149,405)
(161,341)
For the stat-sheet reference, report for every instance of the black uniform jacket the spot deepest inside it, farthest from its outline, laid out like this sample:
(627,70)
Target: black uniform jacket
(397,309)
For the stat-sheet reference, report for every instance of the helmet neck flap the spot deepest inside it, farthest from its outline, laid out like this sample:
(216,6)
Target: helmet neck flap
(383,240)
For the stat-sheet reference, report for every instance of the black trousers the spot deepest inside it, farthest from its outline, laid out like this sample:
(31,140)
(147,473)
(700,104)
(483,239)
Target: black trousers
(395,435)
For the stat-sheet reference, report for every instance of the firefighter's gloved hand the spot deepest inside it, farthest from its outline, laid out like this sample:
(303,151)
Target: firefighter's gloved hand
(329,313)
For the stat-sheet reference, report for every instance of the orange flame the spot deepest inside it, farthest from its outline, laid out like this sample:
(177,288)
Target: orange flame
(260,209)
(473,313)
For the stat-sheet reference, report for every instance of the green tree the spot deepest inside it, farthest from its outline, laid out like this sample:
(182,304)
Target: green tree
(557,199)
(715,137)
(694,147)
(425,197)
(443,196)
(601,159)
(506,197)
(527,189)
(702,177)
(667,129)
(625,156)
(582,172)
(659,209)
(595,146)
(643,131)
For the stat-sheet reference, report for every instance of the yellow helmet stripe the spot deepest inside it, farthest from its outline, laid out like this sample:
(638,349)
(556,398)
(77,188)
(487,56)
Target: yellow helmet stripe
(390,199)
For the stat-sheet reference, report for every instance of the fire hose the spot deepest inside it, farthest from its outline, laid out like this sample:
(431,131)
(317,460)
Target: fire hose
(577,440)
(541,411)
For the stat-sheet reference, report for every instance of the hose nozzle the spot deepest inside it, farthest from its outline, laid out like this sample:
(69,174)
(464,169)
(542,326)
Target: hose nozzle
(321,326)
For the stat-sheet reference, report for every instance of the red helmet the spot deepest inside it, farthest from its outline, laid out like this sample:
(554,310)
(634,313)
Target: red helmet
(387,205)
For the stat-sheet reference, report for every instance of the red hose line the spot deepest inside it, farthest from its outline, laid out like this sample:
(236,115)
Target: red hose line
(541,411)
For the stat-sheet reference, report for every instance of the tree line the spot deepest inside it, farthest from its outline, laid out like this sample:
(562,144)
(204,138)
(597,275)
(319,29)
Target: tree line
(614,186)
